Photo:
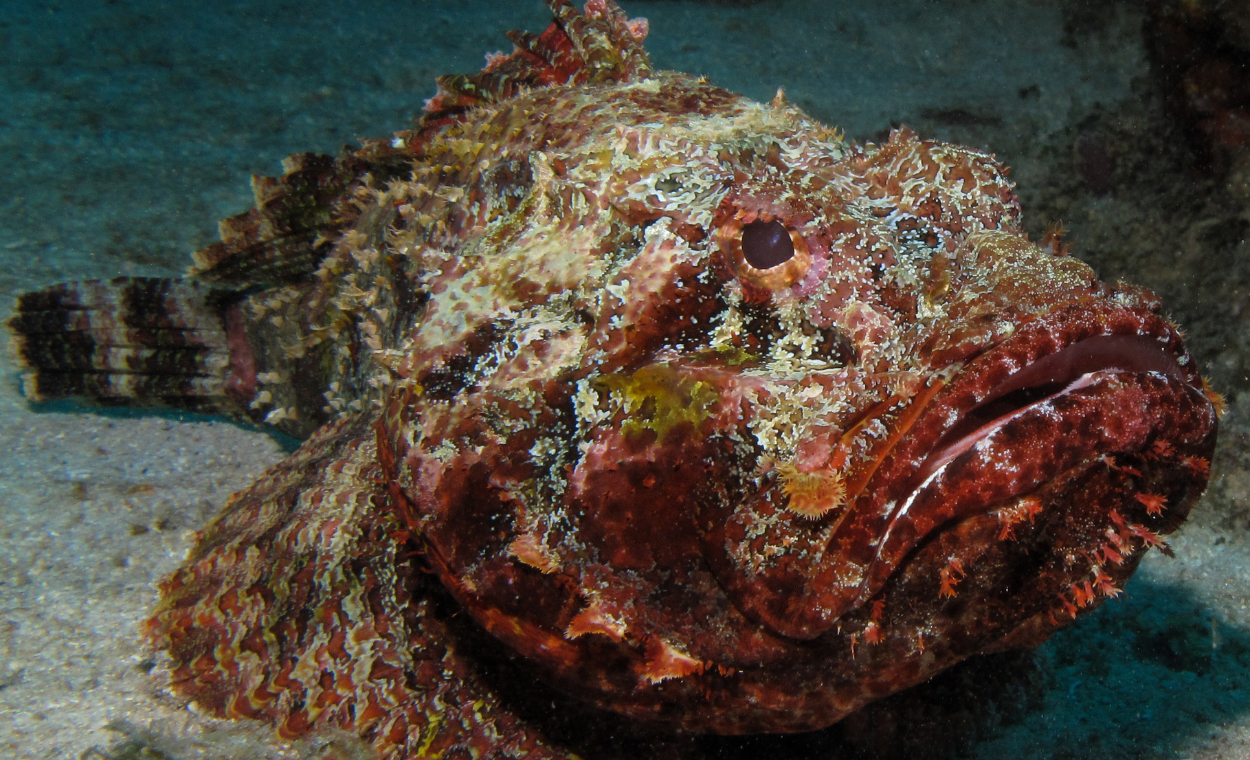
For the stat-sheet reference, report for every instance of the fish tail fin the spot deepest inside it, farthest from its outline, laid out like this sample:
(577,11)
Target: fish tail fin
(208,342)
(131,341)
(183,343)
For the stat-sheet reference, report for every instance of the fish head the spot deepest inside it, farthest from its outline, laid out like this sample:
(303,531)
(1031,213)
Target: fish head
(765,426)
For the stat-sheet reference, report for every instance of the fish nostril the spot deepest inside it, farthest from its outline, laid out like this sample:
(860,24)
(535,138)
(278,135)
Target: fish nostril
(766,244)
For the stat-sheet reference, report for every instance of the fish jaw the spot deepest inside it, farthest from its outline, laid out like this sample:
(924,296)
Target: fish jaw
(1091,385)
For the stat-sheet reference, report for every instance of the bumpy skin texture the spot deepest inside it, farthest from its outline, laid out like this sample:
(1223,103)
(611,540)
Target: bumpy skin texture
(691,492)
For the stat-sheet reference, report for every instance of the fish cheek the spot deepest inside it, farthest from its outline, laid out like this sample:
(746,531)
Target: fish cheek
(471,520)
(634,491)
(768,558)
(636,506)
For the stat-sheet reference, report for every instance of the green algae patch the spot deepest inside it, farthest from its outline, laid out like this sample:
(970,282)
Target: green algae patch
(659,398)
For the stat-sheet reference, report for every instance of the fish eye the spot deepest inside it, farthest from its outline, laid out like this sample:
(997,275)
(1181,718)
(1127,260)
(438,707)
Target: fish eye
(766,244)
(764,252)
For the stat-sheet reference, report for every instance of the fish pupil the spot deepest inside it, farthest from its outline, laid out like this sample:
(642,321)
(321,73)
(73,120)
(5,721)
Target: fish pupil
(766,244)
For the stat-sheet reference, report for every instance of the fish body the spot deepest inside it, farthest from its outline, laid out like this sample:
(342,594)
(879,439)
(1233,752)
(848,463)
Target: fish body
(706,416)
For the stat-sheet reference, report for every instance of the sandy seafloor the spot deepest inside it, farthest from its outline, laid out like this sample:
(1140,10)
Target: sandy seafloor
(129,127)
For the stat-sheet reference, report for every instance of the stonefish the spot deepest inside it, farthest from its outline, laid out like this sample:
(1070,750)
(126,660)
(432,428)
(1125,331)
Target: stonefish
(703,415)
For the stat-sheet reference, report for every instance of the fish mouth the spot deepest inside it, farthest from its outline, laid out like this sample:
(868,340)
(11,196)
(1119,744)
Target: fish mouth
(1071,368)
(1081,388)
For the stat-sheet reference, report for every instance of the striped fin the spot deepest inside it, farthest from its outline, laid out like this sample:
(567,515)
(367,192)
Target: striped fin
(299,215)
(608,42)
(296,219)
(128,341)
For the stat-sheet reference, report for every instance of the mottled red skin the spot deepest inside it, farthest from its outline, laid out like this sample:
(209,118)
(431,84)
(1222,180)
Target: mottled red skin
(582,416)
(645,520)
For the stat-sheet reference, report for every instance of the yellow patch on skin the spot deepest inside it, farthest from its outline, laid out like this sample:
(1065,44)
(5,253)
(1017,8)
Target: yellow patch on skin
(812,494)
(659,398)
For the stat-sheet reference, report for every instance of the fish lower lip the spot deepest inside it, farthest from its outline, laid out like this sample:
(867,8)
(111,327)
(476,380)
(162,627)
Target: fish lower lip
(1100,395)
(1064,371)
(1102,413)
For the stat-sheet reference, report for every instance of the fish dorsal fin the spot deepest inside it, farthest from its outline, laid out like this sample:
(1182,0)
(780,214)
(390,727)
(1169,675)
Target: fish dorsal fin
(284,237)
(608,42)
(598,44)
(299,215)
